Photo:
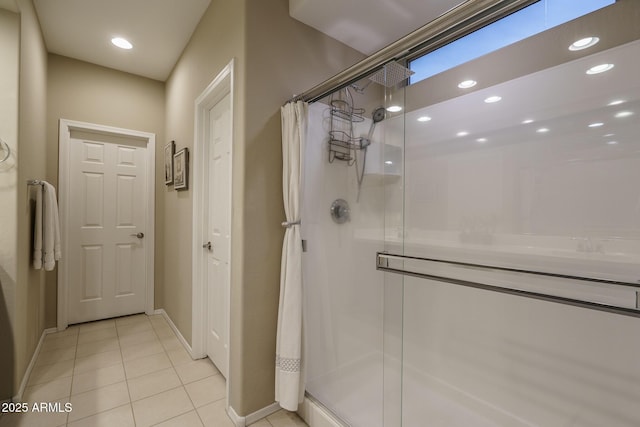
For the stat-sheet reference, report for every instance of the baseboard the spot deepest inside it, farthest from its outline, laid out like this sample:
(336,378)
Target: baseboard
(263,413)
(27,373)
(316,416)
(237,420)
(175,329)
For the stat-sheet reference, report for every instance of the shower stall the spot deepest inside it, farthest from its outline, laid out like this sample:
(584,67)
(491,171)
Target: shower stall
(472,251)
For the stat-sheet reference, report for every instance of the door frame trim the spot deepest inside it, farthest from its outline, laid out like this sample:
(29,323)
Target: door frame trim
(65,128)
(220,86)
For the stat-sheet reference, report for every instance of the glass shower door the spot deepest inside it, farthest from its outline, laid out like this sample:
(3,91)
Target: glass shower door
(349,327)
(534,169)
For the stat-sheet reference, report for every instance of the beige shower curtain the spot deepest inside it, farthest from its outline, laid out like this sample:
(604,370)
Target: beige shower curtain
(289,345)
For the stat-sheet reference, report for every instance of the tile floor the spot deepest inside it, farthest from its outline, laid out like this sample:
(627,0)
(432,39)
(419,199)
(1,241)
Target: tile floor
(130,371)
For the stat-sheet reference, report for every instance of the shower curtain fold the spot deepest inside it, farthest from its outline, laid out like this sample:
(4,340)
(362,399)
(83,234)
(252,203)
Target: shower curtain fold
(289,382)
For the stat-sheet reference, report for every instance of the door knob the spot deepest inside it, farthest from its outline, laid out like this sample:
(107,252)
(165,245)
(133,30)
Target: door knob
(138,235)
(207,245)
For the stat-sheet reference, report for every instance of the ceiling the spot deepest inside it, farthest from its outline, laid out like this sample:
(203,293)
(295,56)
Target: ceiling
(367,25)
(158,29)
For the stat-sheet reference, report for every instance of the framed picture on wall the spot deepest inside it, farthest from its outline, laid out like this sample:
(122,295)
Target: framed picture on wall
(169,151)
(181,170)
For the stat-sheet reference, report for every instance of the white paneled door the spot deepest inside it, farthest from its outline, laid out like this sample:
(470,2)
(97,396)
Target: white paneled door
(105,226)
(218,231)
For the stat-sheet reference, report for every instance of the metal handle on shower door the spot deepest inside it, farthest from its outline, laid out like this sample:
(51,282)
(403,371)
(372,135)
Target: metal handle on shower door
(138,235)
(207,246)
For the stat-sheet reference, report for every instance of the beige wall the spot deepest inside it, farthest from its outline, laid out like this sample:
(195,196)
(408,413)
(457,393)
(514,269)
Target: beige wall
(90,93)
(217,40)
(9,57)
(284,57)
(29,307)
(275,57)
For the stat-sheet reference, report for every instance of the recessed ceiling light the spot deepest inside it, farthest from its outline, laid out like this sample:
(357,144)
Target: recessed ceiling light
(121,43)
(481,140)
(543,130)
(609,135)
(584,43)
(527,121)
(462,133)
(612,142)
(622,114)
(424,118)
(596,125)
(492,99)
(394,108)
(600,68)
(467,84)
(616,102)
(388,162)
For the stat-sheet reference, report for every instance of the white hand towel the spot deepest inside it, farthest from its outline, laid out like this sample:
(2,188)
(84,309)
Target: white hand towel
(37,230)
(51,226)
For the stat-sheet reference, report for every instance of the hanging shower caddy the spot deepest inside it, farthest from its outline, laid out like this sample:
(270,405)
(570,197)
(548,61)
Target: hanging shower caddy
(342,142)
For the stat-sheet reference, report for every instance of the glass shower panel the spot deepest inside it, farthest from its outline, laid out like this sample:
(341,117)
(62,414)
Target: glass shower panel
(534,168)
(345,210)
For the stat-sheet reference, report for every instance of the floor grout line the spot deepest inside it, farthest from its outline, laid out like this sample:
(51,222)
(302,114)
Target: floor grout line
(126,380)
(131,328)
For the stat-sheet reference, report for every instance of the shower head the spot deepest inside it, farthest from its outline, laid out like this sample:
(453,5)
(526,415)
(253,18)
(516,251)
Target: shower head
(378,115)
(391,74)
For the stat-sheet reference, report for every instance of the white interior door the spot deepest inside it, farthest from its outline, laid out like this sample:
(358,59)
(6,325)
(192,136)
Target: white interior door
(105,226)
(218,233)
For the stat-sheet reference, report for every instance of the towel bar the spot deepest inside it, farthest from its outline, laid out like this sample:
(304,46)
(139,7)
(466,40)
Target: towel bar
(383,264)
